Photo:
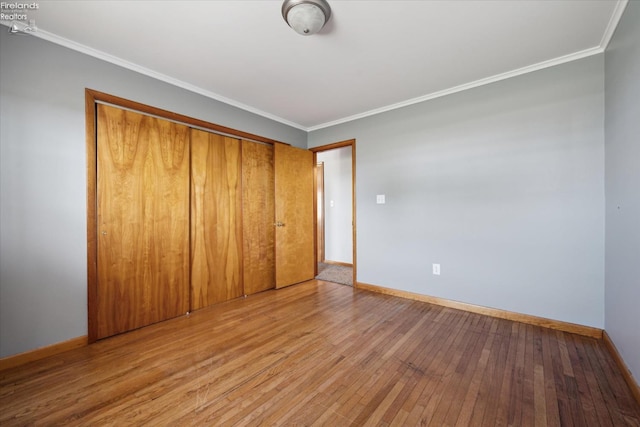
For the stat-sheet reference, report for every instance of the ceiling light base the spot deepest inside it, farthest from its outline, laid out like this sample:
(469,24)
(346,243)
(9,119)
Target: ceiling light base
(306,17)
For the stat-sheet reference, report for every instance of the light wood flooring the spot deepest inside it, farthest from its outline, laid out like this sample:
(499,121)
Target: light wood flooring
(325,354)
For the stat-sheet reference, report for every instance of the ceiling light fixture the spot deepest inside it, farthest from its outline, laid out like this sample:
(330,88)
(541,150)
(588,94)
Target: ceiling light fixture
(306,17)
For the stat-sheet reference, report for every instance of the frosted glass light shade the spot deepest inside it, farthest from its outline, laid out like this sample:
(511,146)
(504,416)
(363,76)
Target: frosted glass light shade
(306,17)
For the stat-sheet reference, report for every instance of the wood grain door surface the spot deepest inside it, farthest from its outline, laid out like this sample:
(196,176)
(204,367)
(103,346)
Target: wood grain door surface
(258,256)
(294,195)
(143,220)
(187,219)
(216,219)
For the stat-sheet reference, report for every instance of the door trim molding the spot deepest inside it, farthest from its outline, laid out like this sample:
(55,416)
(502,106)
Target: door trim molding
(346,143)
(91,119)
(94,96)
(320,211)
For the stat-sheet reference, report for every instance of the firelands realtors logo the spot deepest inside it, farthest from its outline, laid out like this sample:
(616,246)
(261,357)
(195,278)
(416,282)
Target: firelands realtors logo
(16,12)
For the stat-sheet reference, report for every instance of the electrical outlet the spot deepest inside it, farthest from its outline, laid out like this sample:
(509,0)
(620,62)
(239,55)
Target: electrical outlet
(436,269)
(380,199)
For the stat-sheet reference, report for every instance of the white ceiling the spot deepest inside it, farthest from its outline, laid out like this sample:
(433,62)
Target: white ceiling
(372,55)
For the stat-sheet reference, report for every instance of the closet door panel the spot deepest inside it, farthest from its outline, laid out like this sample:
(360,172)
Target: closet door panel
(216,219)
(143,220)
(258,217)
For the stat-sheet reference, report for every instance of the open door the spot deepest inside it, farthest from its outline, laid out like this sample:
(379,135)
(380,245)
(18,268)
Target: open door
(295,259)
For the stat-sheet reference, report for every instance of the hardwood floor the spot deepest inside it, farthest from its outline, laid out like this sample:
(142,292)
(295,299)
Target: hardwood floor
(325,354)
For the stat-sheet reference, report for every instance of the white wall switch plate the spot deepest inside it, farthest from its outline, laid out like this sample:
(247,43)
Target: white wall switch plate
(380,199)
(436,269)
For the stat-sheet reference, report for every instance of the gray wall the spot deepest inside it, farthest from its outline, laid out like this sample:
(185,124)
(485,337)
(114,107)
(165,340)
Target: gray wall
(503,185)
(622,183)
(43,285)
(338,218)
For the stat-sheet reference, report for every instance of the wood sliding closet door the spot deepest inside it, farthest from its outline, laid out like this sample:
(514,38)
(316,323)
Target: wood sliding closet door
(143,220)
(258,217)
(295,260)
(216,219)
(187,218)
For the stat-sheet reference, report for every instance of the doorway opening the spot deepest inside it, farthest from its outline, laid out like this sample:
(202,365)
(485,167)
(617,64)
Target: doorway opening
(335,212)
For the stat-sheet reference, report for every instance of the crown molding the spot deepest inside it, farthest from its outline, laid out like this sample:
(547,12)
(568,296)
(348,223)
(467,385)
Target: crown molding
(604,42)
(621,5)
(45,35)
(488,80)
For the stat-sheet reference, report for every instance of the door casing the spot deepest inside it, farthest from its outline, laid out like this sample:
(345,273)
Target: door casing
(347,143)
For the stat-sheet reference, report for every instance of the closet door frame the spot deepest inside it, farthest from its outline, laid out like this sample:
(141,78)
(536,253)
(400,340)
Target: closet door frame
(92,98)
